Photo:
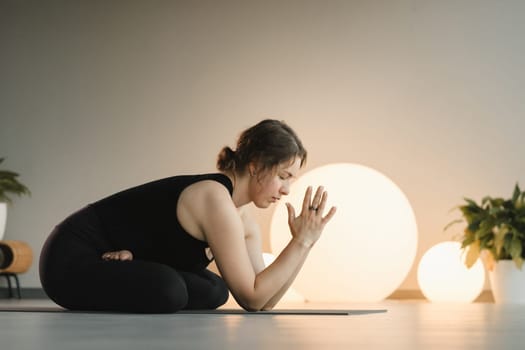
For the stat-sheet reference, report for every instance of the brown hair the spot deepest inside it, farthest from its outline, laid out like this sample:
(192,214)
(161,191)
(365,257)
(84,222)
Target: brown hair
(268,144)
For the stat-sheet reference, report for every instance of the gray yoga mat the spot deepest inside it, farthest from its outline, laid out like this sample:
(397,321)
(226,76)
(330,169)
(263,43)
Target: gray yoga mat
(285,312)
(328,312)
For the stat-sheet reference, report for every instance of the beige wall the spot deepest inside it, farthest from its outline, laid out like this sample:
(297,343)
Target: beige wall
(96,96)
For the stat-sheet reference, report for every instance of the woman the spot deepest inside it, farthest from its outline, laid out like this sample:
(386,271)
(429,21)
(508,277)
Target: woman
(146,249)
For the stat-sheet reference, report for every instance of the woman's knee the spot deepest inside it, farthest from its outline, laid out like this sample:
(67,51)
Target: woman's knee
(220,294)
(171,295)
(163,290)
(206,290)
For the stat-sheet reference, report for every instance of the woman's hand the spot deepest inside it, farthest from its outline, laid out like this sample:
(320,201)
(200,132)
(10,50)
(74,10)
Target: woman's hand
(307,227)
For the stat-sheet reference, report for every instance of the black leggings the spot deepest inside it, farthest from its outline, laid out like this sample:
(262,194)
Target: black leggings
(74,276)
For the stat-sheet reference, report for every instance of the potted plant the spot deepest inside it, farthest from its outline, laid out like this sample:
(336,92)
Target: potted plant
(8,185)
(495,231)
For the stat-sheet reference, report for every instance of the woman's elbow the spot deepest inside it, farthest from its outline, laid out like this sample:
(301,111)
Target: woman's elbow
(251,307)
(267,308)
(250,300)
(254,307)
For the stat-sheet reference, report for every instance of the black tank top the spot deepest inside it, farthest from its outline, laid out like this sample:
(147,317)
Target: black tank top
(143,219)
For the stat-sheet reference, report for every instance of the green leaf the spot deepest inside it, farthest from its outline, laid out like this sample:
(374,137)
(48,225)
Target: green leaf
(520,202)
(485,228)
(452,223)
(499,238)
(467,240)
(485,200)
(497,202)
(515,248)
(10,184)
(516,193)
(8,174)
(519,262)
(472,254)
(471,202)
(495,210)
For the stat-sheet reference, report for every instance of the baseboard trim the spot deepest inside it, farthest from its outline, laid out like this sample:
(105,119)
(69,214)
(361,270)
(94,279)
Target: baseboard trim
(26,293)
(415,294)
(403,294)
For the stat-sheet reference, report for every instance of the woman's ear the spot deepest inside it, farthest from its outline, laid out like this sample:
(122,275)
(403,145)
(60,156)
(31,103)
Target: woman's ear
(251,169)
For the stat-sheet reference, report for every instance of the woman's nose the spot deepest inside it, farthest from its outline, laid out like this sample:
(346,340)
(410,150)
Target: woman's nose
(285,189)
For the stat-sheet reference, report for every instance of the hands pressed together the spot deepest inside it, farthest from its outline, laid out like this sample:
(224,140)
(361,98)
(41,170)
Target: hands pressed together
(308,226)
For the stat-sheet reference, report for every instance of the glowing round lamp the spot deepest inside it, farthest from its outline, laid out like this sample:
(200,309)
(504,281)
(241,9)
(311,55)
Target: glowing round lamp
(367,249)
(443,276)
(291,294)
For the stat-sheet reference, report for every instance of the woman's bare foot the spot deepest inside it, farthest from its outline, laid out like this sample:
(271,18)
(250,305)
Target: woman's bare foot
(121,255)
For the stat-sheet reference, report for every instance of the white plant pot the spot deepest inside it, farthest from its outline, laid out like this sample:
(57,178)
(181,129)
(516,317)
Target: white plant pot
(508,283)
(3,218)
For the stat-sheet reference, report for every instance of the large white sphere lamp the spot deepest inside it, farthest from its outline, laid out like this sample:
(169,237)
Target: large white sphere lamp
(367,249)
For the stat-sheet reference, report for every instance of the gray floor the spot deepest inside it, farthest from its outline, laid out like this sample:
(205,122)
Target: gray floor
(406,325)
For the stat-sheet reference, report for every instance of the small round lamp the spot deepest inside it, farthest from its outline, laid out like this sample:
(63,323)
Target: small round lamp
(443,276)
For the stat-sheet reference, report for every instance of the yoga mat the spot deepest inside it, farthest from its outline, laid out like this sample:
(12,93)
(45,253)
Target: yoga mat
(21,308)
(284,312)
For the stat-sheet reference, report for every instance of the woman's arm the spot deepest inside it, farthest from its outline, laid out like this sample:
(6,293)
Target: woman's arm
(277,297)
(254,248)
(224,232)
(253,240)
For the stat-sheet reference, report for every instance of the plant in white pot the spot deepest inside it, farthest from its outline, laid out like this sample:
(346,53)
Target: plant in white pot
(495,232)
(9,184)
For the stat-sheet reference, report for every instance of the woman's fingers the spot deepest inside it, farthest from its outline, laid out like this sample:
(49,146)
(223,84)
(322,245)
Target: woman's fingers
(322,203)
(319,203)
(291,213)
(315,205)
(306,200)
(328,216)
(316,201)
(125,255)
(310,222)
(121,255)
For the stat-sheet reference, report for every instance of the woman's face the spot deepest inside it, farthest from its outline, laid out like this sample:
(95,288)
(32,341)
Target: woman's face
(270,186)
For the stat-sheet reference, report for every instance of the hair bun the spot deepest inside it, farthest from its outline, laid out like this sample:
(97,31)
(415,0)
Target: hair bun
(226,159)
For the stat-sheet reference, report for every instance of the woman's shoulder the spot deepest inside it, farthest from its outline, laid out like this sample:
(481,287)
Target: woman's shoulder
(207,190)
(202,199)
(214,182)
